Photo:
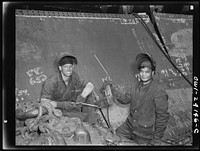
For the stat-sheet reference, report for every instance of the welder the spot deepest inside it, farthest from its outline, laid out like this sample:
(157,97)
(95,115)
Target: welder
(64,90)
(149,114)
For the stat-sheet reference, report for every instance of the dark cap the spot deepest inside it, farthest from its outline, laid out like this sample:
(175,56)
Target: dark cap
(144,60)
(68,59)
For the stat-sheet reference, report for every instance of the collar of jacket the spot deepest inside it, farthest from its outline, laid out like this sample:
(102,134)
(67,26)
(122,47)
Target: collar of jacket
(61,78)
(142,86)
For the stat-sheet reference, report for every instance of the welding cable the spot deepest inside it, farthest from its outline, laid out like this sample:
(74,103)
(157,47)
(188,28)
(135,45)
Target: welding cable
(107,123)
(154,39)
(108,114)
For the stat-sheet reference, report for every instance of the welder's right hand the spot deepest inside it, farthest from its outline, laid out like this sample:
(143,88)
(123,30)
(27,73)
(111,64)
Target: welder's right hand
(67,105)
(76,105)
(106,81)
(73,103)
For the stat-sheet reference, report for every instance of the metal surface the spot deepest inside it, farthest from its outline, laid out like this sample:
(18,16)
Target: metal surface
(56,14)
(42,36)
(177,35)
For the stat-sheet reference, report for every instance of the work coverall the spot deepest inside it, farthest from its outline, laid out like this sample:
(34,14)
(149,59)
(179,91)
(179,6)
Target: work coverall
(55,89)
(148,112)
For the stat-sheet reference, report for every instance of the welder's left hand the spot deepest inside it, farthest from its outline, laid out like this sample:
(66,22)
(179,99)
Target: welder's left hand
(80,99)
(106,81)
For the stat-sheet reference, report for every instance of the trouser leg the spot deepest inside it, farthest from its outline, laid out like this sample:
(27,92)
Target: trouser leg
(125,131)
(141,140)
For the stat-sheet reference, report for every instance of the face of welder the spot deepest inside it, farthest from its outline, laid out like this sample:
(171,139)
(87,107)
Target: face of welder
(67,69)
(145,74)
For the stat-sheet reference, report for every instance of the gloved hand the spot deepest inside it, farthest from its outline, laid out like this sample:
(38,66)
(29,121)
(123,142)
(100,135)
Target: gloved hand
(76,105)
(80,99)
(67,105)
(73,103)
(106,81)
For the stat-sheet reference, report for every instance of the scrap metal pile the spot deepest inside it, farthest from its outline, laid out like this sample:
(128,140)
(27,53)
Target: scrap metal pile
(49,127)
(39,123)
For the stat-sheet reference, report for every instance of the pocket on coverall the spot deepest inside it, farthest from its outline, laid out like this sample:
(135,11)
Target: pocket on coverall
(145,128)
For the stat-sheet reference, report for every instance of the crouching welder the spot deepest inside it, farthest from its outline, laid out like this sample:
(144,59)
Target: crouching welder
(64,90)
(149,115)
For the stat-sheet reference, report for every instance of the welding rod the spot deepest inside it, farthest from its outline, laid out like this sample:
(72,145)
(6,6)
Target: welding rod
(91,105)
(101,64)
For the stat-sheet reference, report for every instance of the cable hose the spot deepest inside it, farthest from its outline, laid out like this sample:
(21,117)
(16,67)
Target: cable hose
(108,118)
(153,38)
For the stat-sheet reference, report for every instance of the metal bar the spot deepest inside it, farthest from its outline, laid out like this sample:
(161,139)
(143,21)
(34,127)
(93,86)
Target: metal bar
(75,15)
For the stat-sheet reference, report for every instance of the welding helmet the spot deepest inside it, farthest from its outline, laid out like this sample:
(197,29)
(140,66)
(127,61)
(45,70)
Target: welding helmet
(144,60)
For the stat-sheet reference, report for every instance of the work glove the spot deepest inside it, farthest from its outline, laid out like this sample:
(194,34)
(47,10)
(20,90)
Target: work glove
(77,103)
(106,81)
(80,99)
(87,90)
(67,105)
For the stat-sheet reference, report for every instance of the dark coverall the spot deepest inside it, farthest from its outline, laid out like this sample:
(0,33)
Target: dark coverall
(148,112)
(55,89)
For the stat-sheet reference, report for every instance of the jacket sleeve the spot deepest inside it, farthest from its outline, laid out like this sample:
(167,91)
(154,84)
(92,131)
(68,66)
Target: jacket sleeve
(161,113)
(47,89)
(122,95)
(65,105)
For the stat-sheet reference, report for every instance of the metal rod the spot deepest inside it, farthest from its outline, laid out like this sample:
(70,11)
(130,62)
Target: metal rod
(101,65)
